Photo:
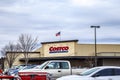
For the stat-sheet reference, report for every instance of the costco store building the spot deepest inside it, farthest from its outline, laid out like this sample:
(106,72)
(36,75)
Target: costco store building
(80,55)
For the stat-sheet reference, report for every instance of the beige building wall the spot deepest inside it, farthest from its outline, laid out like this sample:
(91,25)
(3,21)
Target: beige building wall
(85,50)
(31,55)
(70,45)
(108,47)
(76,49)
(102,49)
(40,50)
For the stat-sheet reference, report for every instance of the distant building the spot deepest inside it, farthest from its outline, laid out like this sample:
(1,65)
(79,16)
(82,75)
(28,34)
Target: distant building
(80,55)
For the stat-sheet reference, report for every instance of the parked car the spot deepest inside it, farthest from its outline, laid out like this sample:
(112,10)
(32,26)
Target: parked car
(14,71)
(56,68)
(34,76)
(96,73)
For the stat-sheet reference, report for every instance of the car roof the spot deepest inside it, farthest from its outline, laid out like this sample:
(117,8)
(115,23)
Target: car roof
(108,67)
(57,60)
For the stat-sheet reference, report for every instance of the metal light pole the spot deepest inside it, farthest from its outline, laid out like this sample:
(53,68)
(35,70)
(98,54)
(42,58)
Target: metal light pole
(95,59)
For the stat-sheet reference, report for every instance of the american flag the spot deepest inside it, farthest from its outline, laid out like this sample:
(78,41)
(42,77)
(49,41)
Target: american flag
(58,34)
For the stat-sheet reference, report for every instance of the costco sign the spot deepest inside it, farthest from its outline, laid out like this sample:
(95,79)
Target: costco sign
(58,49)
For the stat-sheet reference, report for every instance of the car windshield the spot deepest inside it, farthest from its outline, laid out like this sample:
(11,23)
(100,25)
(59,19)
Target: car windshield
(28,67)
(41,66)
(88,72)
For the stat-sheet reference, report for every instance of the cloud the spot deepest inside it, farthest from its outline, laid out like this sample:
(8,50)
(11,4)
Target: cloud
(43,18)
(89,3)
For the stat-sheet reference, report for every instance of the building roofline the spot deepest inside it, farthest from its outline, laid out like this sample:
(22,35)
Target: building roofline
(60,41)
(21,52)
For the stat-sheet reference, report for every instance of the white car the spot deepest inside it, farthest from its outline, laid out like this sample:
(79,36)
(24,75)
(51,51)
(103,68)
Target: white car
(96,73)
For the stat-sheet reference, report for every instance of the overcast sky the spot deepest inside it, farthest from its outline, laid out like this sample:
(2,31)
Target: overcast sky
(44,18)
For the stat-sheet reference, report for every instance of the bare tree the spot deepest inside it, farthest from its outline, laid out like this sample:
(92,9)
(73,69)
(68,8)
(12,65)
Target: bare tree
(10,52)
(27,44)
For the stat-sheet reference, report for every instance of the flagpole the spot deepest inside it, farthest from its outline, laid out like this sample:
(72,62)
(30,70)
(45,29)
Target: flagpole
(60,35)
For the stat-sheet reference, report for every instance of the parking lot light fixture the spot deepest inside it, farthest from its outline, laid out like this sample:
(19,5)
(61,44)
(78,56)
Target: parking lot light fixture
(95,55)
